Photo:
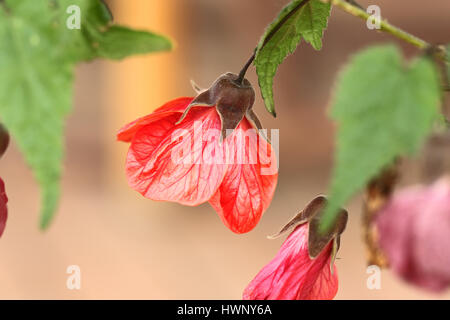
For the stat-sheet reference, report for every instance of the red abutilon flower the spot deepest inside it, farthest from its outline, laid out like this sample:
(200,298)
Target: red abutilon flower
(414,233)
(303,268)
(4,142)
(3,208)
(207,148)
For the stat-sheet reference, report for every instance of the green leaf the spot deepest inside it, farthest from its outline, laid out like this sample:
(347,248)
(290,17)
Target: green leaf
(99,38)
(38,54)
(298,20)
(384,108)
(119,42)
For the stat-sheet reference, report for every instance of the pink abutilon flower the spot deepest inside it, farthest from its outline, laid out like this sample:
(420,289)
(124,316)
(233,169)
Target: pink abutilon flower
(207,148)
(3,208)
(303,268)
(414,233)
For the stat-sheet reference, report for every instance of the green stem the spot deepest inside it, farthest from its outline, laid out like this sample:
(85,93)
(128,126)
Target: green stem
(269,37)
(387,27)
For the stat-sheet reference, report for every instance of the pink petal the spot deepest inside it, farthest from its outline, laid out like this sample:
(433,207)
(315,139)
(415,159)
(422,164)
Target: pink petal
(432,237)
(326,285)
(292,275)
(395,230)
(170,162)
(414,231)
(177,106)
(246,190)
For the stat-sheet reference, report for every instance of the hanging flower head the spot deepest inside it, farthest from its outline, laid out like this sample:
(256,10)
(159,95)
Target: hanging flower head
(414,233)
(3,208)
(303,268)
(207,148)
(4,142)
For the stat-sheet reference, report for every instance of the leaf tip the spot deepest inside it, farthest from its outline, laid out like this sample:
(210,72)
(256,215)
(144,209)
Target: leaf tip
(170,43)
(44,223)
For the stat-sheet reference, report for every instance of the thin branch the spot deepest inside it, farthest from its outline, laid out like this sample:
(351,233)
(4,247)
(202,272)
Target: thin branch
(387,27)
(356,4)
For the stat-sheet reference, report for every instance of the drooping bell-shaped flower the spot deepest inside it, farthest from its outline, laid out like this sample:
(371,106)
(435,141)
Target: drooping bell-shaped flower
(414,233)
(303,268)
(4,142)
(207,148)
(3,208)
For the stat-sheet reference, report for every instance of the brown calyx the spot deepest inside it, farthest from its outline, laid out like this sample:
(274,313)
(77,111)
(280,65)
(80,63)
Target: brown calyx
(233,100)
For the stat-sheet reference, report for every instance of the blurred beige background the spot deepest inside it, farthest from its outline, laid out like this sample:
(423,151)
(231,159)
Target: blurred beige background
(129,247)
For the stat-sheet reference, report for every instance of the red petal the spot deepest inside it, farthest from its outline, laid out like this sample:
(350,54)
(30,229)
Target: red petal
(3,208)
(246,190)
(193,178)
(175,106)
(292,275)
(326,285)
